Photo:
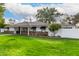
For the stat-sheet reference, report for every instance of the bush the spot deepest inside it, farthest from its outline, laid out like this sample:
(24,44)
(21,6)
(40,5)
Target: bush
(54,27)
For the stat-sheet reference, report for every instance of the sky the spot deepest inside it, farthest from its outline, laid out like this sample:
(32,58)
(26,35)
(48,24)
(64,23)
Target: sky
(22,11)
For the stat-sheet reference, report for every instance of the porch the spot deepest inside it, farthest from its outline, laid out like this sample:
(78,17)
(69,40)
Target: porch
(33,31)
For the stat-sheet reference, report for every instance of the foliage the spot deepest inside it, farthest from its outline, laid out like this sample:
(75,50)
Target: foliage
(54,27)
(47,14)
(68,19)
(11,21)
(76,18)
(2,9)
(2,23)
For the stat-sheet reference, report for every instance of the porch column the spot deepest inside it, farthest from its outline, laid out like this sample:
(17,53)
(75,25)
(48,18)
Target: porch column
(14,30)
(20,30)
(28,31)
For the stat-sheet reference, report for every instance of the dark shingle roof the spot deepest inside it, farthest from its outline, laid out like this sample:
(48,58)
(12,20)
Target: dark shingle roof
(28,24)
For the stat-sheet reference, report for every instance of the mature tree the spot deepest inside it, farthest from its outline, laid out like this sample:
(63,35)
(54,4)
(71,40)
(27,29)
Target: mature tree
(2,22)
(2,9)
(47,14)
(76,18)
(54,28)
(68,20)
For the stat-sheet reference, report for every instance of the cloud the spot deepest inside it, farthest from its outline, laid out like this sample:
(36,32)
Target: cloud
(20,9)
(23,11)
(27,10)
(68,8)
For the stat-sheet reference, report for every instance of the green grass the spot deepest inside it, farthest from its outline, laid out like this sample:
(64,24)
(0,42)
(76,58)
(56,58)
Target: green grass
(17,45)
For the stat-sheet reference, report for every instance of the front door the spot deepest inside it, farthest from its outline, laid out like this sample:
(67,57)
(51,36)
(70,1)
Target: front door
(18,31)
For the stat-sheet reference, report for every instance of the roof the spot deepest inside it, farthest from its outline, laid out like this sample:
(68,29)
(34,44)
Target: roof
(28,24)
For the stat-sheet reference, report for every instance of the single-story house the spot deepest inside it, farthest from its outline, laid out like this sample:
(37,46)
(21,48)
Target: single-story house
(41,29)
(29,28)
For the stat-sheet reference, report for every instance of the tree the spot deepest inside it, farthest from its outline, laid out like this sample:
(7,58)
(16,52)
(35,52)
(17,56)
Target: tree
(2,9)
(47,14)
(54,28)
(76,18)
(67,20)
(2,23)
(11,21)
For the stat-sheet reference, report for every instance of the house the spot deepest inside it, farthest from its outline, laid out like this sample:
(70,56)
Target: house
(29,28)
(41,29)
(1,30)
(69,31)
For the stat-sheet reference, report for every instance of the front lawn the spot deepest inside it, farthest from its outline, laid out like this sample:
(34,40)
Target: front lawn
(37,46)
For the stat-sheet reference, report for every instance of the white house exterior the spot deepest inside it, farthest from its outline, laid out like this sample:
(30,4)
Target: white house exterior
(69,31)
(2,30)
(65,32)
(29,28)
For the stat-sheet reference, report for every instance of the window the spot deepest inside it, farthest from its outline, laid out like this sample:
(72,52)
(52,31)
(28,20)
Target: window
(33,28)
(43,28)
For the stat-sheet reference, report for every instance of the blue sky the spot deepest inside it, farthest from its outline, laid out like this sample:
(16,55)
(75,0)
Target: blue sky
(19,11)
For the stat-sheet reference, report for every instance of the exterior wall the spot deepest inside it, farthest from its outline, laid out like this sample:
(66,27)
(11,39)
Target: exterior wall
(38,29)
(11,29)
(70,33)
(1,29)
(7,31)
(67,33)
